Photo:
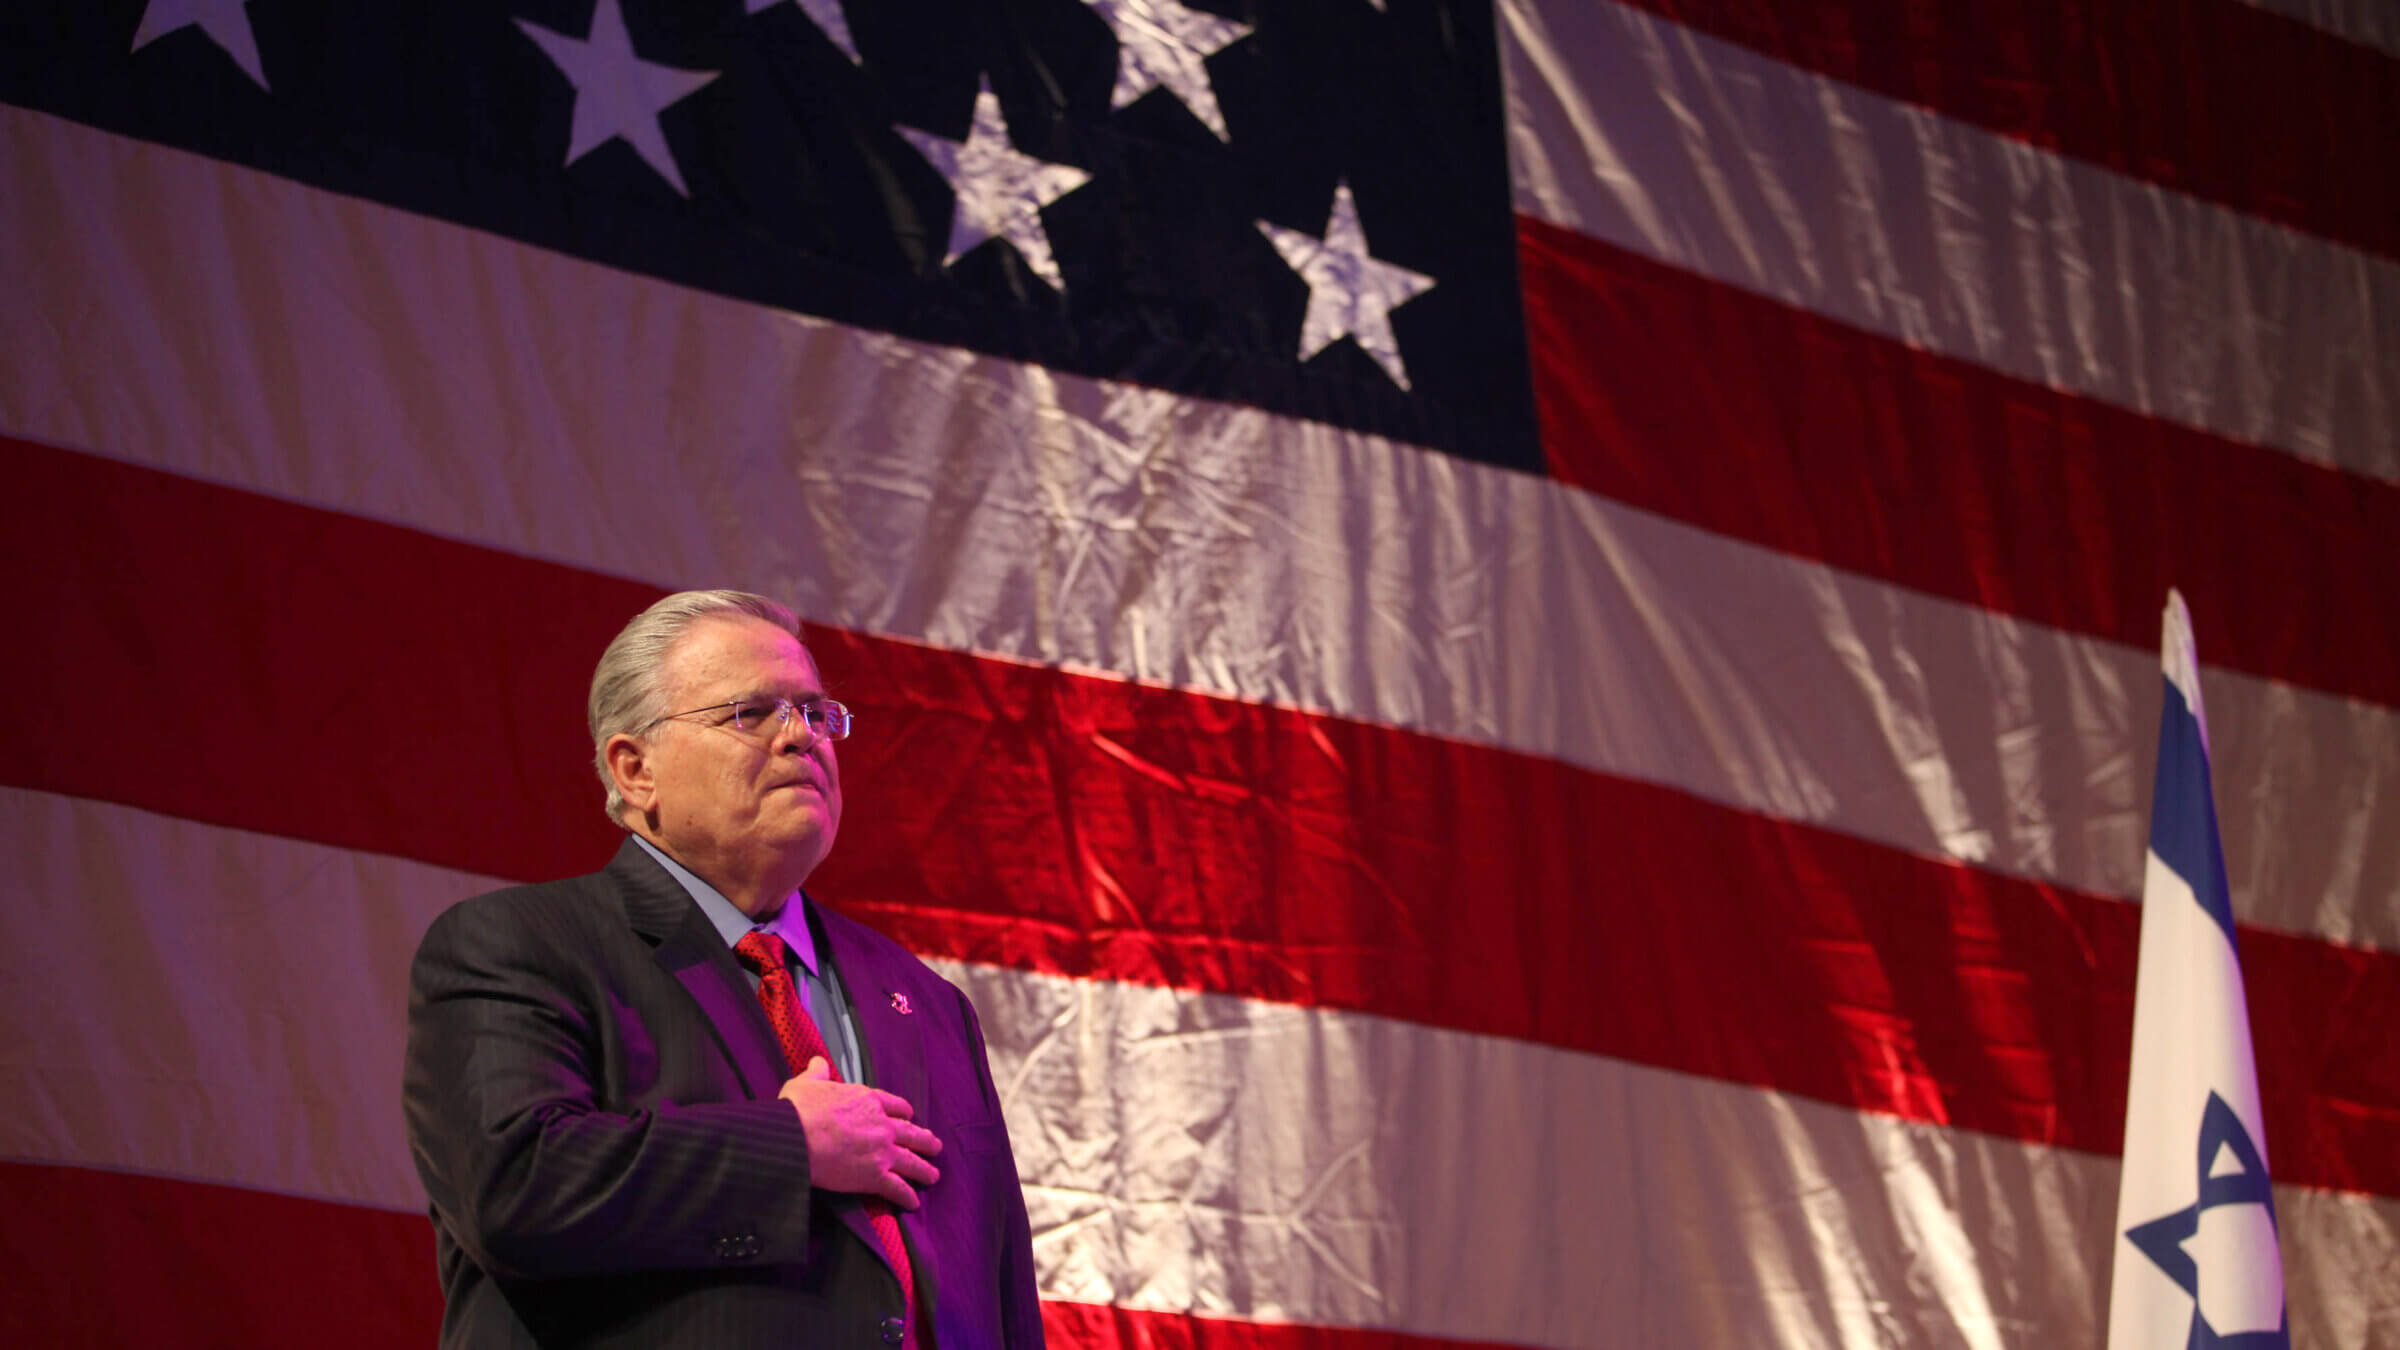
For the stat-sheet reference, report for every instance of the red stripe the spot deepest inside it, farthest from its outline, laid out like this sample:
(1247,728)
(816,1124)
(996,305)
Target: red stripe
(2212,98)
(309,657)
(1755,419)
(1094,827)
(1102,1327)
(104,1259)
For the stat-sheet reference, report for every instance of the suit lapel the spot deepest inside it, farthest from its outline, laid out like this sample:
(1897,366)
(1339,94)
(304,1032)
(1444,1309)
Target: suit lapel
(889,1041)
(689,946)
(692,950)
(891,1050)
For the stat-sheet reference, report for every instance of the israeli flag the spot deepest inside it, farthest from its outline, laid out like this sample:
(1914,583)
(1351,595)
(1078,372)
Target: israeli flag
(2196,1260)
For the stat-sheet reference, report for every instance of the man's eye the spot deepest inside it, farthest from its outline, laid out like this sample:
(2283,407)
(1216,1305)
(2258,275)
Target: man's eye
(751,716)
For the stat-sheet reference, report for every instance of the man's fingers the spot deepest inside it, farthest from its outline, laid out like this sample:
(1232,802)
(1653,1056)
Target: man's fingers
(909,1171)
(817,1068)
(861,1139)
(913,1168)
(900,1193)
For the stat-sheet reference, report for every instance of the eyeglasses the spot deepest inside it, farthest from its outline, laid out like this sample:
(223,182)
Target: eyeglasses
(824,717)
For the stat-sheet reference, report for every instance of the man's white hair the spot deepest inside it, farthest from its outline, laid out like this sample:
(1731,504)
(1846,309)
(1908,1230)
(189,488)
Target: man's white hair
(627,693)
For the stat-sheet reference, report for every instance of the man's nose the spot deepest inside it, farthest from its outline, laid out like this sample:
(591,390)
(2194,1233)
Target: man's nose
(794,735)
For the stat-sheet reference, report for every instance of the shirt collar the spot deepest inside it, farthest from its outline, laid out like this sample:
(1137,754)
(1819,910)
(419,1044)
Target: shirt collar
(790,924)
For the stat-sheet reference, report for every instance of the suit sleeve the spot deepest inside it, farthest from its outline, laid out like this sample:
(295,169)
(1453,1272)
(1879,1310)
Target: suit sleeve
(1020,1302)
(530,1175)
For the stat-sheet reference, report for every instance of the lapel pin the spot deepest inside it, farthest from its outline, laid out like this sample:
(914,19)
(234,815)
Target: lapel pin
(900,1003)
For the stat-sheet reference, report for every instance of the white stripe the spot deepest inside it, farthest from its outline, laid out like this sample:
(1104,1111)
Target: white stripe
(1182,1153)
(1042,518)
(1710,156)
(2369,23)
(207,1003)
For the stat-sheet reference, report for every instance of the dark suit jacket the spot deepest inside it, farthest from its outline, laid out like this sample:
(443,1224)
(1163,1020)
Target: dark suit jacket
(590,1091)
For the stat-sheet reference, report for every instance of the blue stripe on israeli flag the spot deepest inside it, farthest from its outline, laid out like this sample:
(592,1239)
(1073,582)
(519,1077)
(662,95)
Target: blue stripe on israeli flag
(2183,813)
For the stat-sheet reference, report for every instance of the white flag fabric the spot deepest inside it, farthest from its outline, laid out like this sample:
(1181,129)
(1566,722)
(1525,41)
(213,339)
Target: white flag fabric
(2196,1257)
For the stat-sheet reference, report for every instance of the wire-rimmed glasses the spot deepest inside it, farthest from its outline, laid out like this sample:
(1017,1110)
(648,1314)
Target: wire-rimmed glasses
(824,717)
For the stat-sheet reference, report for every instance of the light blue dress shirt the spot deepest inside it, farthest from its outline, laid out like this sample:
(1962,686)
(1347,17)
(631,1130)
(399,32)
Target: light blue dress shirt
(818,982)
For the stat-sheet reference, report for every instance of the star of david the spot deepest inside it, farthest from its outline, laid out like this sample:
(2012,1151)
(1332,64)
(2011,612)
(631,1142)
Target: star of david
(2164,1238)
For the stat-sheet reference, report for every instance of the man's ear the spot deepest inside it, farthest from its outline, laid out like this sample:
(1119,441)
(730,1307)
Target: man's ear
(629,764)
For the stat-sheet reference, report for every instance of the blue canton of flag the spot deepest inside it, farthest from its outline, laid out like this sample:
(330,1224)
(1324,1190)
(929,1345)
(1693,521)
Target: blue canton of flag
(1297,207)
(2196,1257)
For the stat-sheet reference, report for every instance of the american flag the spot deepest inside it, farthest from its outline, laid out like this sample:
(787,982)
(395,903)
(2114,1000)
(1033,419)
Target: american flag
(1508,642)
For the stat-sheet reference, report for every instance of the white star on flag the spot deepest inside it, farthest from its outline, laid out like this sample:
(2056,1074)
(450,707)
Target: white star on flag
(226,22)
(1159,42)
(999,191)
(616,92)
(826,15)
(1349,293)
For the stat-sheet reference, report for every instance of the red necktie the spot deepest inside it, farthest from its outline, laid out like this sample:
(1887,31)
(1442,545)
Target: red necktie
(764,953)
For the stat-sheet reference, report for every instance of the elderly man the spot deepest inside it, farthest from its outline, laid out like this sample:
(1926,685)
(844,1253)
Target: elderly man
(676,1102)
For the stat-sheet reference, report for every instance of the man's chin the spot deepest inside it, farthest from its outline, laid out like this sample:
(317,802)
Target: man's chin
(810,834)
